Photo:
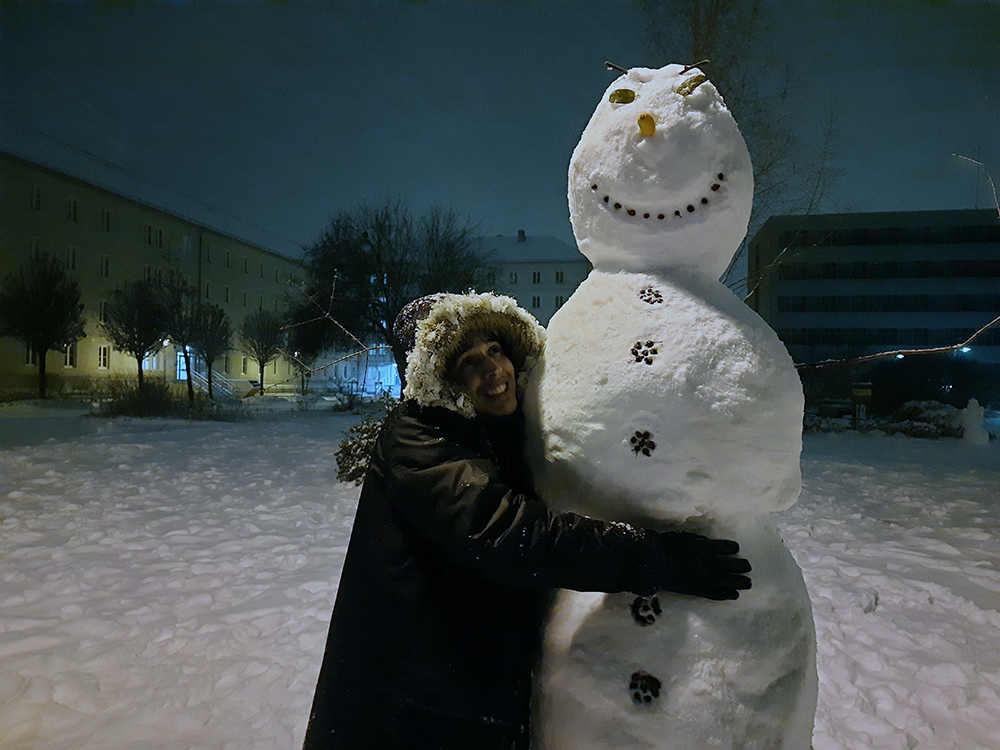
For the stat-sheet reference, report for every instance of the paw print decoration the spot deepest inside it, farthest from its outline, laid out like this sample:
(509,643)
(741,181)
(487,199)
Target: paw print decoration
(651,296)
(645,609)
(645,688)
(642,442)
(644,351)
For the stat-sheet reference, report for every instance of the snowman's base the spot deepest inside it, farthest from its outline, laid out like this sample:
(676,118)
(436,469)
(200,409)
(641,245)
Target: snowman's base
(679,672)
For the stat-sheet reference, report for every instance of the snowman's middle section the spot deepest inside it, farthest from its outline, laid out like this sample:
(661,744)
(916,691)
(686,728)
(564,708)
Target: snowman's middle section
(664,399)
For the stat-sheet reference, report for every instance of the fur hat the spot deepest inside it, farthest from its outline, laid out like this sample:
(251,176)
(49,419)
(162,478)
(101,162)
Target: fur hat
(434,329)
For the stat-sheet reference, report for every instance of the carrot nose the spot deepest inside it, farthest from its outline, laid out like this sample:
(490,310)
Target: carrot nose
(647,125)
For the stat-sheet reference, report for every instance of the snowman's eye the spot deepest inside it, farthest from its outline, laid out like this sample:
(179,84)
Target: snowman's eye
(622,96)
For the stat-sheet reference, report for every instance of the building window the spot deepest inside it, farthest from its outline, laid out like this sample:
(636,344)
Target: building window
(246,265)
(261,305)
(35,198)
(103,356)
(147,273)
(225,364)
(30,356)
(244,365)
(560,301)
(244,299)
(513,277)
(276,280)
(71,258)
(536,302)
(149,362)
(71,212)
(559,277)
(105,220)
(149,234)
(227,259)
(208,291)
(159,237)
(262,270)
(536,277)
(102,310)
(106,266)
(69,355)
(226,294)
(34,248)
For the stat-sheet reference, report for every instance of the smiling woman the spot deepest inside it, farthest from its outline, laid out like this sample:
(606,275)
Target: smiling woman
(437,624)
(485,371)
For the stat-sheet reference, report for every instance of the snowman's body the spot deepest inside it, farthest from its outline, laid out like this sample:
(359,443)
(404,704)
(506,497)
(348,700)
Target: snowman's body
(662,399)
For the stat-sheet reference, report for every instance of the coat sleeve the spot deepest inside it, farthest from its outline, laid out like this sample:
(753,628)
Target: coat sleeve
(453,497)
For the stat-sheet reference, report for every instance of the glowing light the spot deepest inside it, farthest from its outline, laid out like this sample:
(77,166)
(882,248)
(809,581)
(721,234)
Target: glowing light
(965,349)
(899,356)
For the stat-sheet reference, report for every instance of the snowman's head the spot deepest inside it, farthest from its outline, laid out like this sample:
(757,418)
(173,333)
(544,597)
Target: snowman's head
(661,178)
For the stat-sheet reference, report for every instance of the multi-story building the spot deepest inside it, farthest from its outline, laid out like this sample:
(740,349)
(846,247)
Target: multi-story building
(843,285)
(106,237)
(540,272)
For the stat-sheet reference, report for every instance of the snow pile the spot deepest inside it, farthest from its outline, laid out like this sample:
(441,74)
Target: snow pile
(169,585)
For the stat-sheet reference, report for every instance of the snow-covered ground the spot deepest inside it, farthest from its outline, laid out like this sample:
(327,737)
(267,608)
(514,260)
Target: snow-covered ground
(166,584)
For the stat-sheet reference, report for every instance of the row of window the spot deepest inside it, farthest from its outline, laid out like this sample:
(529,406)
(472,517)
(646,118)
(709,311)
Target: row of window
(227,262)
(536,277)
(536,302)
(878,303)
(153,234)
(867,337)
(862,236)
(915,269)
(150,363)
(72,252)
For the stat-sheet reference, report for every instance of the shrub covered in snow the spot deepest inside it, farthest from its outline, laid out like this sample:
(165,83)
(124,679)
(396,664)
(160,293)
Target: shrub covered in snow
(354,450)
(927,419)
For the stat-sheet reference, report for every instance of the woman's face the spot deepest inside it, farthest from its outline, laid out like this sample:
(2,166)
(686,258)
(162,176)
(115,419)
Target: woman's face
(484,371)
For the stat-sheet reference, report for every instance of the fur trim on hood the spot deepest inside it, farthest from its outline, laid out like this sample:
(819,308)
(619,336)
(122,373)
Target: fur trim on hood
(438,336)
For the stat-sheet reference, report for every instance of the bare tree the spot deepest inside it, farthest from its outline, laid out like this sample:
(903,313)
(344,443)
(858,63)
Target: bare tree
(213,337)
(40,306)
(378,257)
(724,38)
(136,319)
(263,336)
(183,302)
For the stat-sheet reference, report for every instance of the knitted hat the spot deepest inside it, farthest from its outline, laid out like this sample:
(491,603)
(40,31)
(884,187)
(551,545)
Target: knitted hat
(433,330)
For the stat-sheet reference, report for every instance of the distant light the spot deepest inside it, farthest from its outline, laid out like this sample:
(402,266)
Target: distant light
(166,342)
(899,356)
(965,349)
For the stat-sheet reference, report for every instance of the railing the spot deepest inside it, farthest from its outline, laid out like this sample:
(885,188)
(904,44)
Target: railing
(219,383)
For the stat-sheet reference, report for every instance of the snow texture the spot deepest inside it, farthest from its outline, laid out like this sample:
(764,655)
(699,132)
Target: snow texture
(662,399)
(169,584)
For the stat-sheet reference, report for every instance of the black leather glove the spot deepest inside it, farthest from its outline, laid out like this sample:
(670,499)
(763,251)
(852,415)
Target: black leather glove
(699,566)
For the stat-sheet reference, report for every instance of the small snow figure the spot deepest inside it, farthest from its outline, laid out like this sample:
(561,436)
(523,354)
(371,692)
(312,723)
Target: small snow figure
(973,422)
(662,399)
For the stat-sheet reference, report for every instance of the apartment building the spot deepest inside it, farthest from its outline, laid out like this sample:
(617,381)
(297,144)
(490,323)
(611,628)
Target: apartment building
(539,271)
(106,236)
(842,285)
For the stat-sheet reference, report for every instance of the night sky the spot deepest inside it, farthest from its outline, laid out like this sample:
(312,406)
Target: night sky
(284,113)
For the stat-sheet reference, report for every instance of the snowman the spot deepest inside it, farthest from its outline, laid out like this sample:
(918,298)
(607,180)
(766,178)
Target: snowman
(664,401)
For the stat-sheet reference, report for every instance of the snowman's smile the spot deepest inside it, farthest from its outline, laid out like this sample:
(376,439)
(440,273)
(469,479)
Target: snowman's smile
(615,206)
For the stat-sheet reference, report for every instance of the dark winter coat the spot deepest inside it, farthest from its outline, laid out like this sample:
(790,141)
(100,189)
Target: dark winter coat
(438,616)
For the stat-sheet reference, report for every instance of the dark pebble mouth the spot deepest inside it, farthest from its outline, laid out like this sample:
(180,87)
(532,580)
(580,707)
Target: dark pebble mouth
(659,215)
